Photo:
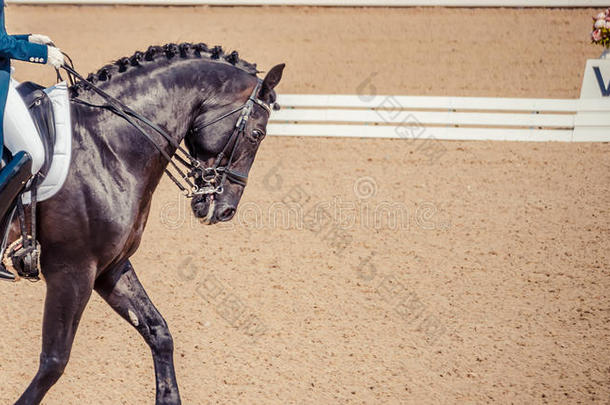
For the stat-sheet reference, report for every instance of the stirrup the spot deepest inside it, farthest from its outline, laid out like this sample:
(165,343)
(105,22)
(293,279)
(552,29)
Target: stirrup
(25,258)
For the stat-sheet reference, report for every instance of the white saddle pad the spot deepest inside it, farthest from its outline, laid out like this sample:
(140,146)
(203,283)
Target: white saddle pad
(63,144)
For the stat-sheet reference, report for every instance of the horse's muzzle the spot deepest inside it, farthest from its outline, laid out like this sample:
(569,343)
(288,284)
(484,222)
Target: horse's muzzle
(210,211)
(224,212)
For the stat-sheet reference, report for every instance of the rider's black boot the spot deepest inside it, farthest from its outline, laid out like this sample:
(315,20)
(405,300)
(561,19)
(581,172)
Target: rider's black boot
(13,178)
(5,274)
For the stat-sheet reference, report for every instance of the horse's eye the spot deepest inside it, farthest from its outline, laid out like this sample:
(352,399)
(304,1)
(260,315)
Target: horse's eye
(257,134)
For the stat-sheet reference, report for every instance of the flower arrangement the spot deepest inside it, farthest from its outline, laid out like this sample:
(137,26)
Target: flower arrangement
(601,29)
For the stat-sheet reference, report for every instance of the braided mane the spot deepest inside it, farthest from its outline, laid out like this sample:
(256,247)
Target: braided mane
(166,52)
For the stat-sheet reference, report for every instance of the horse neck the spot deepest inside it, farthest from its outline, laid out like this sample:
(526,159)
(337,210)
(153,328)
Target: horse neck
(166,98)
(170,96)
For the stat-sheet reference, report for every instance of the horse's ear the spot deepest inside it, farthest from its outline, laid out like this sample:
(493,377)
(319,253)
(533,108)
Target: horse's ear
(271,80)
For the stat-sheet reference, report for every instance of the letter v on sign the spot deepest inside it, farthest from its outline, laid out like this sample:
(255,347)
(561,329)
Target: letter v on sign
(600,81)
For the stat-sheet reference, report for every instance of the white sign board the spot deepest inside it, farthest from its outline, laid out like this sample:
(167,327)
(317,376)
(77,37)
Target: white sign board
(596,80)
(593,117)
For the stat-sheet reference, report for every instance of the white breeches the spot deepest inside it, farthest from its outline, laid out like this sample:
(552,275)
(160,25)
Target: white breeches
(19,130)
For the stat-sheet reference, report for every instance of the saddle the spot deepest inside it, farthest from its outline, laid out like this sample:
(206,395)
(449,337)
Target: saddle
(25,252)
(41,110)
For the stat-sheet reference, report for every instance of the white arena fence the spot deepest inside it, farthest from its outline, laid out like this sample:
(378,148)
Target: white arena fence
(449,118)
(337,3)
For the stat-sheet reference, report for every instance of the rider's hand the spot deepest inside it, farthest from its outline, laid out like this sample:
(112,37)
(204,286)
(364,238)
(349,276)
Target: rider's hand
(54,57)
(39,39)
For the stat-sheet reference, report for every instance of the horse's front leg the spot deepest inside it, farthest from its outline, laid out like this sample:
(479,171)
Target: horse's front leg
(122,290)
(67,295)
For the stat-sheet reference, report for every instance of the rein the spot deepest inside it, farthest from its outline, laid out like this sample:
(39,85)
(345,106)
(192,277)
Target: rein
(211,178)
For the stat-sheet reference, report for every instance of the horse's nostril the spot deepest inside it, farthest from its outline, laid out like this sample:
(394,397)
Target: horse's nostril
(226,214)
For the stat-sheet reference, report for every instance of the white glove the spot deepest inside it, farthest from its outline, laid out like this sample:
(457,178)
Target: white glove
(54,57)
(39,39)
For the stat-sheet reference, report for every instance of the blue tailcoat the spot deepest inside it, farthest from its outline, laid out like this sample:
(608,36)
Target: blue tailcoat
(14,47)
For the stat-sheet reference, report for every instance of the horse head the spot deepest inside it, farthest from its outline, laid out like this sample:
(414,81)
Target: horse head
(226,132)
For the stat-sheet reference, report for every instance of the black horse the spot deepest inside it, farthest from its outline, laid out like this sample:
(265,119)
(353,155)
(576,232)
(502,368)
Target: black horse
(89,230)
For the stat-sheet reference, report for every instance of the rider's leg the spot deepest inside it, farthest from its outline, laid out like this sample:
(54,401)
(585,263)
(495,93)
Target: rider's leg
(12,179)
(21,139)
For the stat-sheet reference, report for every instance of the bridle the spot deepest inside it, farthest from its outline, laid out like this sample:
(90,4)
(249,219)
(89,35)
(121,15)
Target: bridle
(212,178)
